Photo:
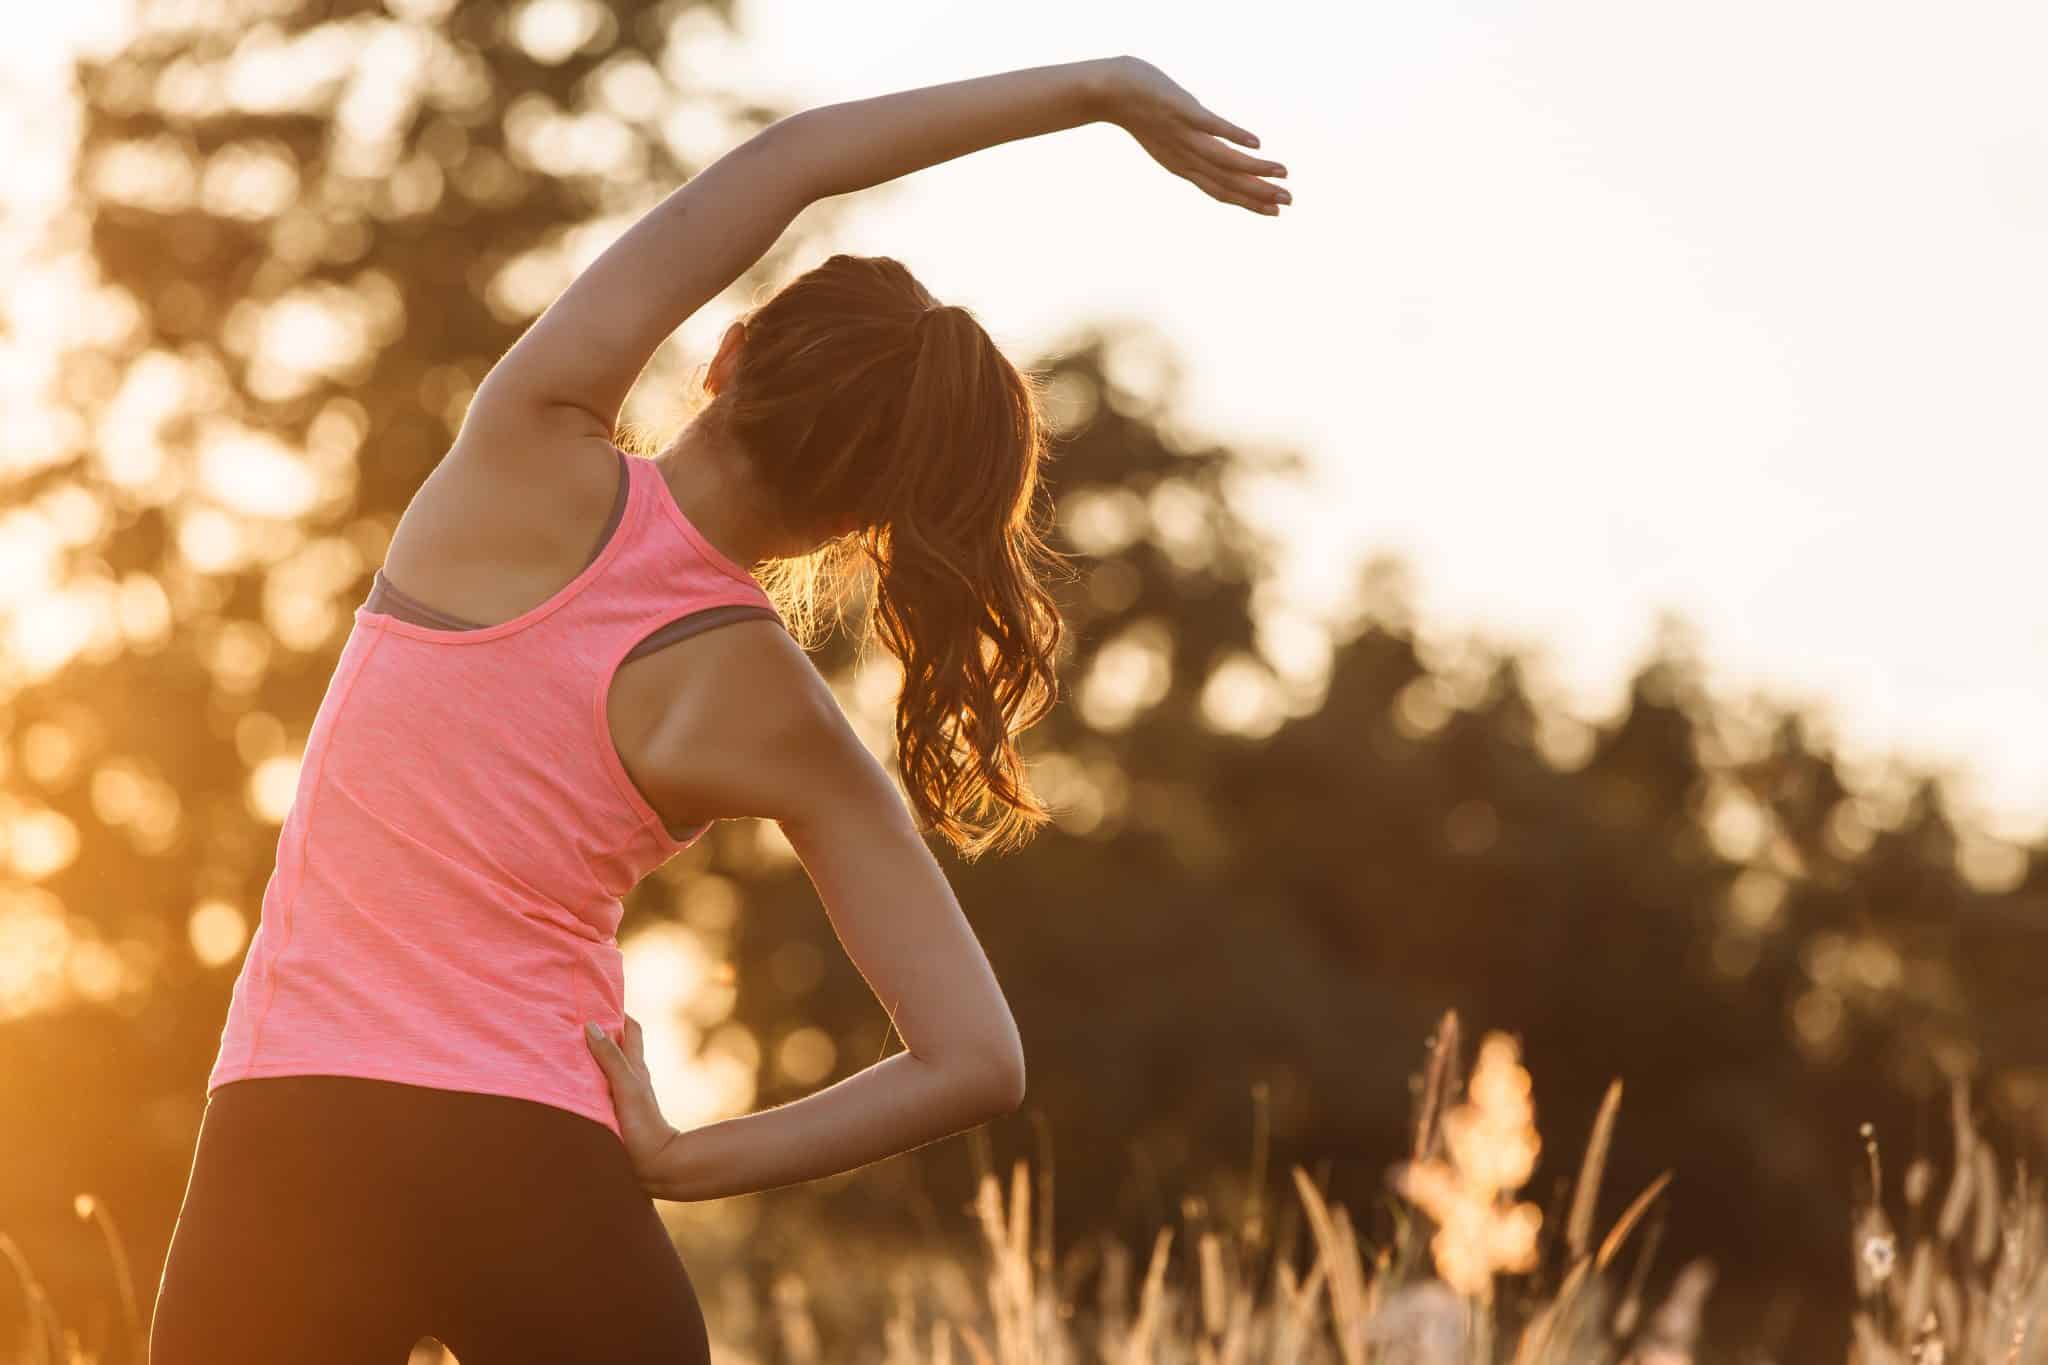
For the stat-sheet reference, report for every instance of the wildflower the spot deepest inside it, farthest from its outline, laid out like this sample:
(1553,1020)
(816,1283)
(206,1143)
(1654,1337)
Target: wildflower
(1876,1249)
(1492,1142)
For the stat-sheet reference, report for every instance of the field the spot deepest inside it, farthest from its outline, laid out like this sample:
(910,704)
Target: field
(1468,1273)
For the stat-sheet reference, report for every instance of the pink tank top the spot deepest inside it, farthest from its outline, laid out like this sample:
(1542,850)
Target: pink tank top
(446,898)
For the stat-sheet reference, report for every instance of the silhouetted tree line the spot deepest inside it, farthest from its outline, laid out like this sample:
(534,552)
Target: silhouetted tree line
(1692,897)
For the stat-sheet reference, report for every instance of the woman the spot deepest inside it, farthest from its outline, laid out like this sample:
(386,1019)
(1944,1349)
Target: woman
(563,673)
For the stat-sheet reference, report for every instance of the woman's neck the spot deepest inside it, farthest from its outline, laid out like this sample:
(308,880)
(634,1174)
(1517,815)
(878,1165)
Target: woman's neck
(715,485)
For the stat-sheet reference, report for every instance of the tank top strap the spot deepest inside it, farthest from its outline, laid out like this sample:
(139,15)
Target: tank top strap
(666,568)
(656,490)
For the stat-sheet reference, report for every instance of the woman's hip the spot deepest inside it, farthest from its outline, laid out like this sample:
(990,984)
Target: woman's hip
(371,1206)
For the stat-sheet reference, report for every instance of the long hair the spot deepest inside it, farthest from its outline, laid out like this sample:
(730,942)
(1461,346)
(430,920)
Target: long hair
(894,429)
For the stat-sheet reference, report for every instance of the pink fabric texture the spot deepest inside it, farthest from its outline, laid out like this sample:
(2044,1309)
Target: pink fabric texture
(446,898)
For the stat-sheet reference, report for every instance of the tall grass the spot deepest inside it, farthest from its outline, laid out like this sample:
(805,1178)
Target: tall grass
(1459,1281)
(1469,1275)
(46,1340)
(1965,1281)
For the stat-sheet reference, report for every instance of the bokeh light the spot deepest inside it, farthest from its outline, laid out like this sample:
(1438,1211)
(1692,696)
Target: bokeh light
(217,932)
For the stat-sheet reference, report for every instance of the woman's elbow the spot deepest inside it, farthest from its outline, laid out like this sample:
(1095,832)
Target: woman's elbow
(994,1078)
(1009,1084)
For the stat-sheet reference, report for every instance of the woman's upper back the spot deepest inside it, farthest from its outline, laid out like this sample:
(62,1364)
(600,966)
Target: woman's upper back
(459,541)
(533,687)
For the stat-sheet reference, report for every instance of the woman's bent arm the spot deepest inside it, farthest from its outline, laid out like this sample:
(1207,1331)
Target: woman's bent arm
(962,1062)
(796,760)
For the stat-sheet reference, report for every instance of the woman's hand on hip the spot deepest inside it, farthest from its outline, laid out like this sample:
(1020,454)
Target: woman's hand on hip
(1181,134)
(641,1127)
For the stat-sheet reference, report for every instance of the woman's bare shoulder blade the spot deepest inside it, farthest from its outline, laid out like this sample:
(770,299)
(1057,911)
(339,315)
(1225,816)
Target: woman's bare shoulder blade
(758,732)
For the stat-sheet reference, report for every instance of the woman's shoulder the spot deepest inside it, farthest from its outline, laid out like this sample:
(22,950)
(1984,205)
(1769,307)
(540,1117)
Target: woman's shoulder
(550,466)
(485,535)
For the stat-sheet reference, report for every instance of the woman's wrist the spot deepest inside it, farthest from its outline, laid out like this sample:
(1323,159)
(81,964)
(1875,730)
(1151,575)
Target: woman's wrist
(699,1163)
(1103,82)
(669,1172)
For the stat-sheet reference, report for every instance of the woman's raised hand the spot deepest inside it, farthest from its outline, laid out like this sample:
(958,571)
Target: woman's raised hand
(641,1127)
(1181,134)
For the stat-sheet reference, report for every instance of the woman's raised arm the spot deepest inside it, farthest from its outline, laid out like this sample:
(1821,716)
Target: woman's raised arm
(581,358)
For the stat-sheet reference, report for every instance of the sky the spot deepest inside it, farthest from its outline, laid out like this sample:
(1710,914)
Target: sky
(1588,309)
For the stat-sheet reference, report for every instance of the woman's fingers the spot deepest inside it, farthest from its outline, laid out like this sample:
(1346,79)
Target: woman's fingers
(1186,137)
(642,1126)
(1231,159)
(1235,162)
(602,1047)
(1254,190)
(627,1065)
(619,1073)
(1229,167)
(1223,127)
(1217,189)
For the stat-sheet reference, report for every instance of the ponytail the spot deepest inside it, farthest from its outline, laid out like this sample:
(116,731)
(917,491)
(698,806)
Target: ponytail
(895,429)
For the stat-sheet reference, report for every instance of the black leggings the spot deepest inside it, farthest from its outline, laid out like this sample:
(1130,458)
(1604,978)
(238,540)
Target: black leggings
(335,1219)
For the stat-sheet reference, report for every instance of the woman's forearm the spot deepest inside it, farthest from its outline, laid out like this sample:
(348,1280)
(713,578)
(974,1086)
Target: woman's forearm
(900,1103)
(840,148)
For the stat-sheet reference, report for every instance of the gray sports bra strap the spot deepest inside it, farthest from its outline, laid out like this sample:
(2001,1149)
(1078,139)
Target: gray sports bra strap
(704,618)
